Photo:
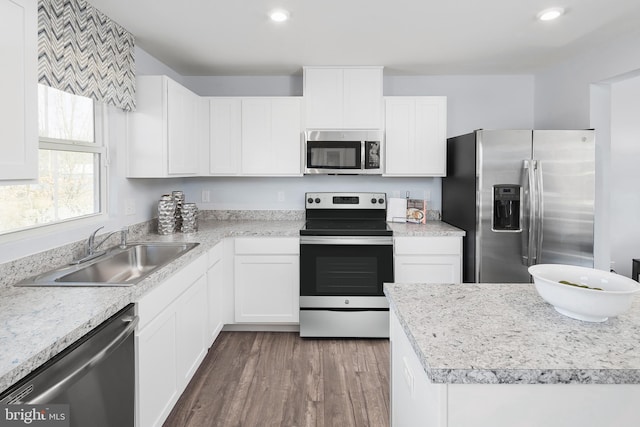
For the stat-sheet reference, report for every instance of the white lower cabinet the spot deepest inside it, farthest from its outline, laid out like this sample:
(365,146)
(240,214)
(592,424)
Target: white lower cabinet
(215,282)
(435,259)
(157,382)
(170,341)
(191,322)
(266,280)
(417,401)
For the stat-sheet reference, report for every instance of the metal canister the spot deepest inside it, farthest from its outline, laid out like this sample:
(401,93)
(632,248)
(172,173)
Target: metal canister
(166,215)
(178,198)
(189,218)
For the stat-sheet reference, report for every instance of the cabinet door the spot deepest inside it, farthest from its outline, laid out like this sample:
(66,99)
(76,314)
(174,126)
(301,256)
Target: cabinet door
(400,135)
(271,136)
(215,280)
(224,136)
(266,288)
(286,132)
(256,136)
(323,94)
(182,135)
(415,129)
(191,321)
(157,369)
(19,102)
(427,269)
(435,259)
(413,396)
(362,98)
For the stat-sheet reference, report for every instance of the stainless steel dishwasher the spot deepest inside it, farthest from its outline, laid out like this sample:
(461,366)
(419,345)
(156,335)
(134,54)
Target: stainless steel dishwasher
(95,376)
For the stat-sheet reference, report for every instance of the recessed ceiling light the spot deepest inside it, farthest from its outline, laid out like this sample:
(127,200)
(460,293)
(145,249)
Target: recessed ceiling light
(279,15)
(550,14)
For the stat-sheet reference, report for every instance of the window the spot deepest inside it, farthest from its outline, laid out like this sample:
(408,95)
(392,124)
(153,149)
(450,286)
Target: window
(69,163)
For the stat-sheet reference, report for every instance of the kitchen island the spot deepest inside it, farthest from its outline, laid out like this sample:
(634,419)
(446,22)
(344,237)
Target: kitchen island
(498,355)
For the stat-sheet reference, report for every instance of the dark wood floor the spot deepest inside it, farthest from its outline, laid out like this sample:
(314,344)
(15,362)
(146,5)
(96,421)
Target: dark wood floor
(279,379)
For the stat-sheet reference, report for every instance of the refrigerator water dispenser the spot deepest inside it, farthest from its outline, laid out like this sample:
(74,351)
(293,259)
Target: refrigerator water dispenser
(506,208)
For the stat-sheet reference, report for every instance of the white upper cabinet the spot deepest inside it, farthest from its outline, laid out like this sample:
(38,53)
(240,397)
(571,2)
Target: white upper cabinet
(18,86)
(225,136)
(251,136)
(343,97)
(416,136)
(167,130)
(271,136)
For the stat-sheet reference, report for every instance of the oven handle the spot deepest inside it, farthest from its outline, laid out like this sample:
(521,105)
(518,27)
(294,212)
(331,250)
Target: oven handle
(346,240)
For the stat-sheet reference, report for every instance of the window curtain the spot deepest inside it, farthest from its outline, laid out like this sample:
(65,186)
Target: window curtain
(82,51)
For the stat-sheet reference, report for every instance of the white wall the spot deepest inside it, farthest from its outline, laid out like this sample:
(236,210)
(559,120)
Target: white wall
(625,174)
(582,92)
(262,193)
(474,102)
(562,91)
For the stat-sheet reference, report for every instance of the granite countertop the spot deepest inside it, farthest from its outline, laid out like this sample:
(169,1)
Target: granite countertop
(36,323)
(430,229)
(506,334)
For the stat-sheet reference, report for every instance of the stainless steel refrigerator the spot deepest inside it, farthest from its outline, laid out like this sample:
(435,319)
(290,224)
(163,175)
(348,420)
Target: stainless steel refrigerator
(523,197)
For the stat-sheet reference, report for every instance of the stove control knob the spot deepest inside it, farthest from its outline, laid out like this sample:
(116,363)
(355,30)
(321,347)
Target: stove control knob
(317,200)
(374,201)
(309,200)
(381,201)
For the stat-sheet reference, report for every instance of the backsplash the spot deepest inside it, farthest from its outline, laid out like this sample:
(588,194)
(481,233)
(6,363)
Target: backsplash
(252,215)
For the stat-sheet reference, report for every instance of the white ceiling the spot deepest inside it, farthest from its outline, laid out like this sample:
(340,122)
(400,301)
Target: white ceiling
(407,37)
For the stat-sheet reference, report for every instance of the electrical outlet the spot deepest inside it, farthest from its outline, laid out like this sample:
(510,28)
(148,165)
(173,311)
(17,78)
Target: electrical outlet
(129,207)
(281,196)
(206,196)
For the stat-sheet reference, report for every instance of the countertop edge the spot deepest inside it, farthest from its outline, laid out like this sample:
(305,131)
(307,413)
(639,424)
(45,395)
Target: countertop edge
(511,376)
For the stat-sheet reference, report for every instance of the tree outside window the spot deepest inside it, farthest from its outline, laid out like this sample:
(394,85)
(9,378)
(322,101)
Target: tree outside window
(69,162)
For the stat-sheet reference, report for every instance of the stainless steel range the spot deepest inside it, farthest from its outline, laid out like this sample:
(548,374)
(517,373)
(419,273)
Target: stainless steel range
(346,254)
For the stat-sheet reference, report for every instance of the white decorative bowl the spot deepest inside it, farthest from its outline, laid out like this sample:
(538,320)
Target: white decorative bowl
(585,304)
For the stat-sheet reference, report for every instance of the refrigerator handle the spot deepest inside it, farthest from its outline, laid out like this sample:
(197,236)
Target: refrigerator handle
(529,212)
(539,211)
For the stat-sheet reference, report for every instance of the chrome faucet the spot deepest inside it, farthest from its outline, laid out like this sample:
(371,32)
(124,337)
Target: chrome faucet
(92,247)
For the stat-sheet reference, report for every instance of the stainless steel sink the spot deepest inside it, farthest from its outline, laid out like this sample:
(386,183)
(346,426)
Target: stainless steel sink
(118,267)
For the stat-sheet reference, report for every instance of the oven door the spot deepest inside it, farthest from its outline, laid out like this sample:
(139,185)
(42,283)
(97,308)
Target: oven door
(341,282)
(345,266)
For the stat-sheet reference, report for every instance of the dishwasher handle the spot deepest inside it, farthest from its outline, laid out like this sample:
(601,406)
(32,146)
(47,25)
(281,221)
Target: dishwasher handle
(78,372)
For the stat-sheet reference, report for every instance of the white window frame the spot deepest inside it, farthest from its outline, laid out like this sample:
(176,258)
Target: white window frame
(98,146)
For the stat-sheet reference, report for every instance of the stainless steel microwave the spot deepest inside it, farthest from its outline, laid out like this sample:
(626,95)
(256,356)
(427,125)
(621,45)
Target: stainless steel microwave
(345,152)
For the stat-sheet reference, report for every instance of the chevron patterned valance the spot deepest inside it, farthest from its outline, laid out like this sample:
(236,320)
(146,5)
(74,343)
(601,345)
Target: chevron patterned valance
(82,51)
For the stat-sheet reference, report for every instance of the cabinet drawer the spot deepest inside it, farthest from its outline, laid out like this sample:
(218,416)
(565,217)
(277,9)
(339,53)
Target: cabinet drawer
(267,245)
(427,245)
